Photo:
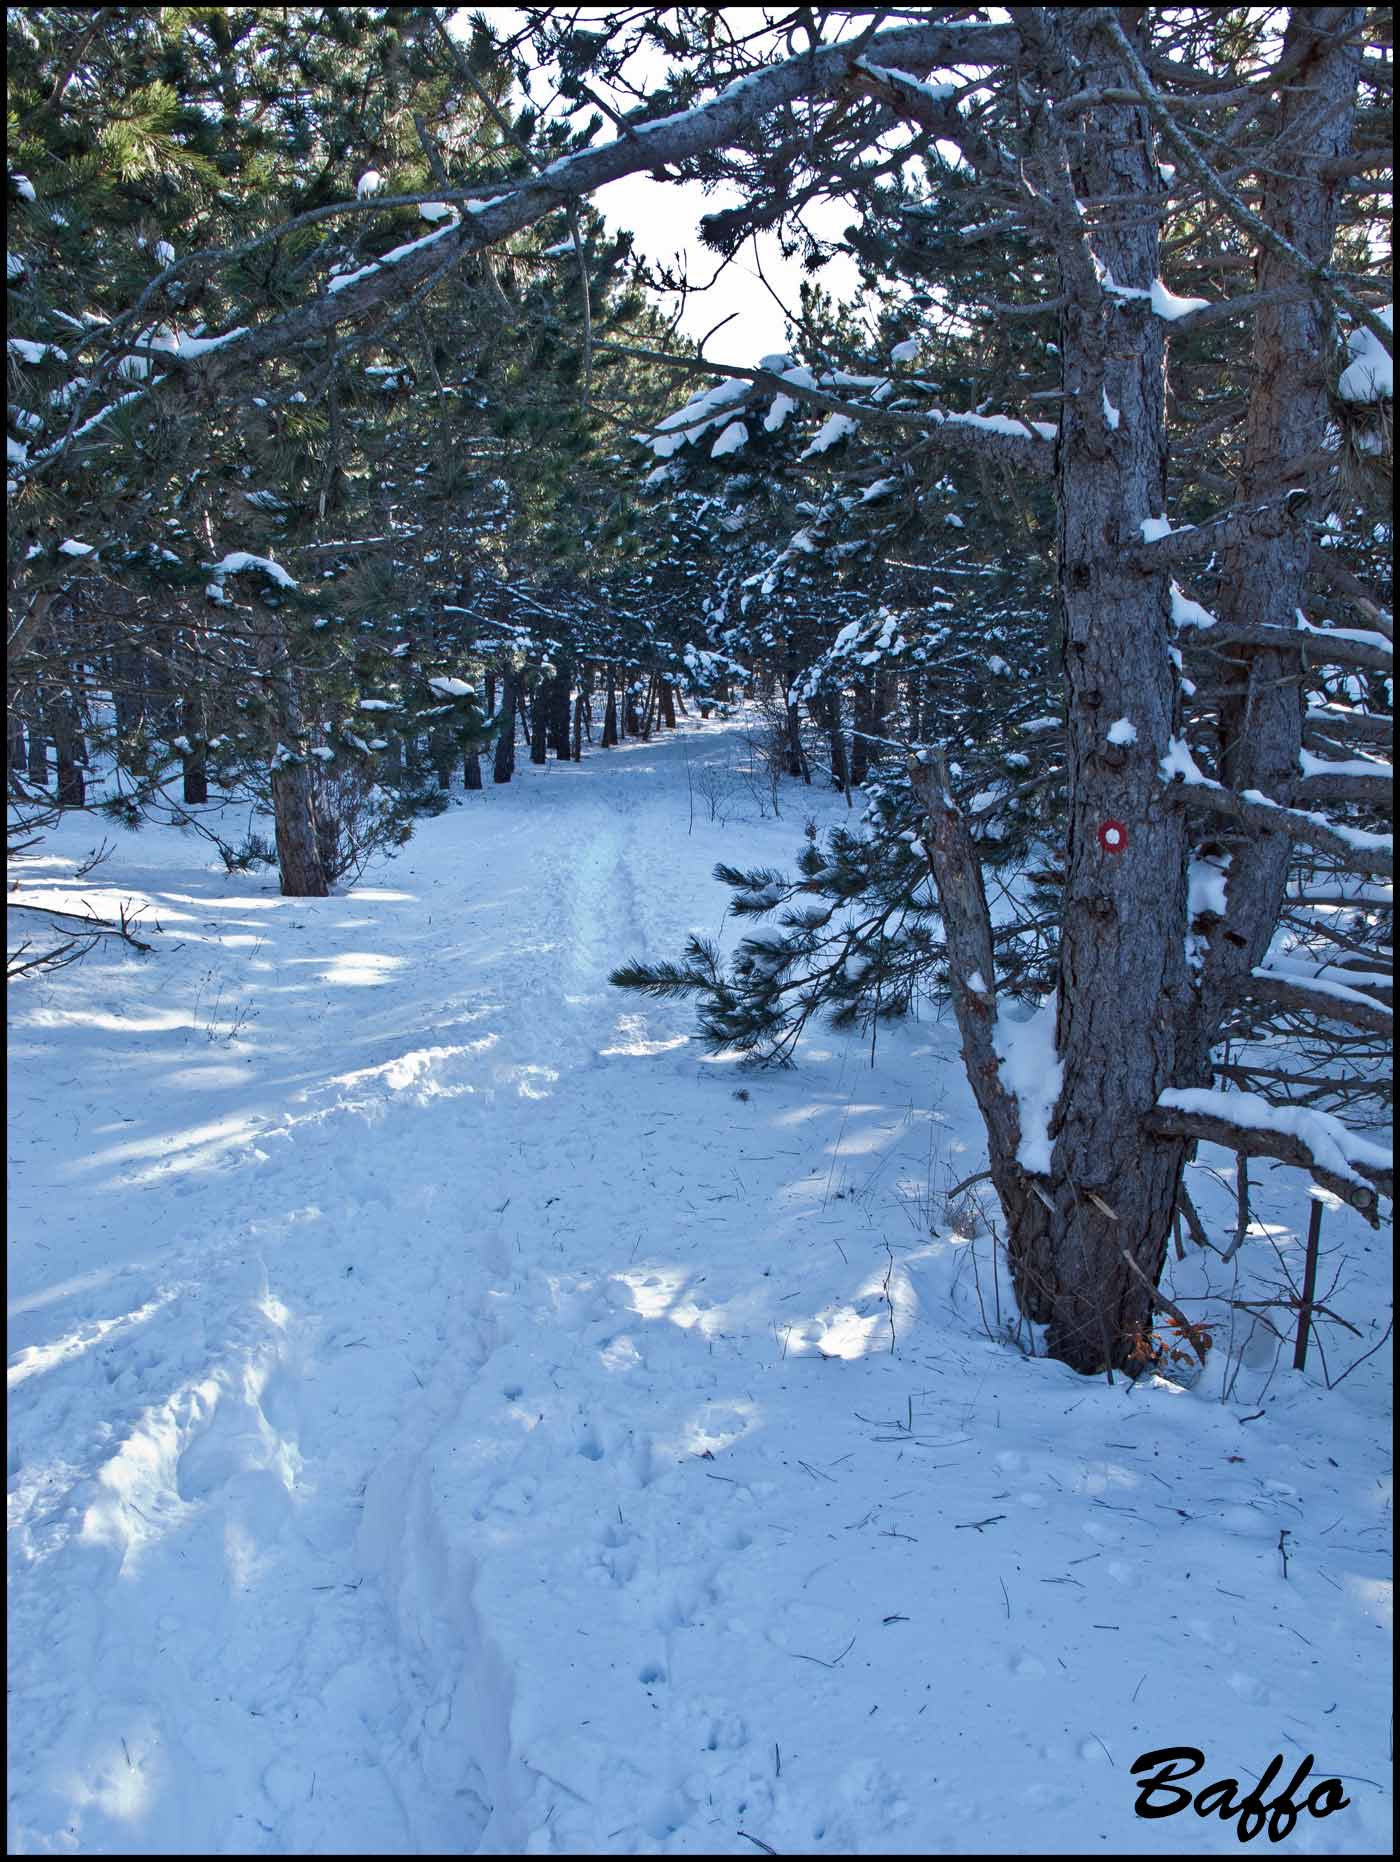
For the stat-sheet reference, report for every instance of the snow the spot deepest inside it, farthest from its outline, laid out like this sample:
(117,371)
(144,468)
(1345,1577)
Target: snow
(164,252)
(1316,977)
(735,436)
(1206,886)
(238,560)
(936,93)
(1122,731)
(369,183)
(189,348)
(880,489)
(906,351)
(1154,529)
(377,704)
(71,547)
(1188,613)
(434,210)
(444,1416)
(34,352)
(1311,765)
(344,279)
(1364,636)
(1331,1144)
(697,416)
(1370,375)
(1179,765)
(998,423)
(834,428)
(1111,415)
(782,406)
(23,186)
(450,688)
(1165,303)
(1032,1072)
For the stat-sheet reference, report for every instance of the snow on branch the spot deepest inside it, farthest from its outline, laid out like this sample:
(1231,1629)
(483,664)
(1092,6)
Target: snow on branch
(1266,517)
(1315,1141)
(1356,849)
(1320,995)
(731,118)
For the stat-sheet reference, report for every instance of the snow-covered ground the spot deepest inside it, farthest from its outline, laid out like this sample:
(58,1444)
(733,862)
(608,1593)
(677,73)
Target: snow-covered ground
(448,1412)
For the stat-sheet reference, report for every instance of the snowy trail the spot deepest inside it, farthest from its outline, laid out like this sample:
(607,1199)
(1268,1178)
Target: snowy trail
(444,1415)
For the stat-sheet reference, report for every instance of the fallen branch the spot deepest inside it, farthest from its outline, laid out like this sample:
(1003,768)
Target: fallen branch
(89,926)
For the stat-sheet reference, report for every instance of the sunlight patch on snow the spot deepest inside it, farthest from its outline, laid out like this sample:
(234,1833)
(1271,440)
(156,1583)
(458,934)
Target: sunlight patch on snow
(620,1354)
(850,1334)
(361,969)
(36,1358)
(632,1038)
(413,1069)
(173,1153)
(1376,1597)
(718,1427)
(653,1291)
(138,1481)
(530,1082)
(1104,1477)
(117,1784)
(153,1021)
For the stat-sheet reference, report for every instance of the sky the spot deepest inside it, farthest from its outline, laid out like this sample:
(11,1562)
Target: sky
(664,216)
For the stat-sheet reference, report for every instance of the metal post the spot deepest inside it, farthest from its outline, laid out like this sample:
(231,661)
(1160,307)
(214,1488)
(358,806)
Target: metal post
(1300,1350)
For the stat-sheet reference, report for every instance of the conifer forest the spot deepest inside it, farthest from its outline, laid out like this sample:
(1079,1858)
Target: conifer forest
(699,930)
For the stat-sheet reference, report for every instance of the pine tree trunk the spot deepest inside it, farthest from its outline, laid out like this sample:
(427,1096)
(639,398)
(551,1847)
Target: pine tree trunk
(15,750)
(1262,580)
(863,729)
(471,769)
(826,714)
(37,748)
(128,691)
(68,749)
(796,764)
(561,715)
(576,740)
(668,705)
(196,777)
(1089,1206)
(539,721)
(503,767)
(1123,977)
(631,723)
(299,861)
(610,715)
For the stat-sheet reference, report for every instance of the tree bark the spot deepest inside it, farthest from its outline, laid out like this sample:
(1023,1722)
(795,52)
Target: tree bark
(560,715)
(1262,579)
(196,775)
(300,864)
(503,767)
(610,715)
(69,755)
(539,721)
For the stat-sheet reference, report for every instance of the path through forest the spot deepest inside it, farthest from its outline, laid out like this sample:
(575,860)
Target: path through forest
(448,1411)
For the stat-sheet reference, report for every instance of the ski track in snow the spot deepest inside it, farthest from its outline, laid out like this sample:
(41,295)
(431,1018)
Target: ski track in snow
(443,1416)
